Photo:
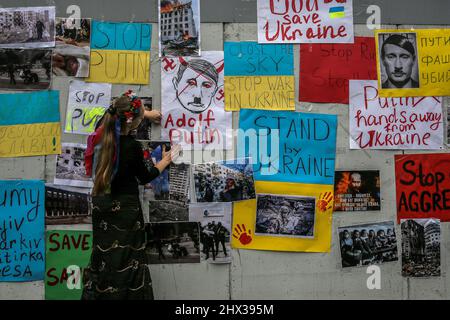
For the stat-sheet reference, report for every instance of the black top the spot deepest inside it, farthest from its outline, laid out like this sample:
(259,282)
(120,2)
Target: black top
(131,168)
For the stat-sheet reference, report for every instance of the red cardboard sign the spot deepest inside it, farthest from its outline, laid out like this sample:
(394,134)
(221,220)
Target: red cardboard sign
(423,186)
(325,69)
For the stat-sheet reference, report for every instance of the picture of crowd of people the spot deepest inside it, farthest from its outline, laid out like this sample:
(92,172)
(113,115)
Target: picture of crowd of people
(25,69)
(225,181)
(368,244)
(173,242)
(25,28)
(215,225)
(71,55)
(421,248)
(285,216)
(357,191)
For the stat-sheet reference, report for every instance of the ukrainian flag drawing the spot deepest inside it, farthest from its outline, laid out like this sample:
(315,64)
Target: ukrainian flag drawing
(337,12)
(30,124)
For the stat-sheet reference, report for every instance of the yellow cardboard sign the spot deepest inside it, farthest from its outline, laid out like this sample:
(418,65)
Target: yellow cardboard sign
(428,67)
(30,139)
(259,92)
(244,220)
(119,66)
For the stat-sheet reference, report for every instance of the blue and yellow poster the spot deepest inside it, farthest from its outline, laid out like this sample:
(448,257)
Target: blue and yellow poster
(120,52)
(294,162)
(22,241)
(35,130)
(259,76)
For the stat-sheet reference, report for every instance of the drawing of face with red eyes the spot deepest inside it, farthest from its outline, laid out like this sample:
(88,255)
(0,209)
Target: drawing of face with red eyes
(196,84)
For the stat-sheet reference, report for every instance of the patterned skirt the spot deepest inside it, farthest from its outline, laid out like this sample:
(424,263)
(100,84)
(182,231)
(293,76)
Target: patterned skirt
(118,269)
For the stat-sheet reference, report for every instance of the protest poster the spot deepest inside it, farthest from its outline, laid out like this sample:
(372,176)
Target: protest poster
(448,125)
(325,69)
(289,146)
(173,242)
(86,105)
(22,242)
(259,76)
(70,168)
(421,247)
(120,52)
(305,21)
(27,27)
(72,53)
(357,190)
(67,205)
(67,254)
(179,28)
(366,244)
(192,98)
(393,123)
(294,217)
(25,69)
(294,157)
(413,63)
(35,130)
(224,181)
(215,230)
(423,186)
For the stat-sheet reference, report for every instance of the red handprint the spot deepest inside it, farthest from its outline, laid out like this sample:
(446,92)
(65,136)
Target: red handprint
(324,201)
(240,233)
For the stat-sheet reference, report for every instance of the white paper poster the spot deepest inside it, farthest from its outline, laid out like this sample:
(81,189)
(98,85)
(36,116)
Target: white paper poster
(393,123)
(86,106)
(305,21)
(193,102)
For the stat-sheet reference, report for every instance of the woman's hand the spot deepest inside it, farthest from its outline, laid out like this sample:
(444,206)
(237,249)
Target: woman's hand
(168,157)
(154,116)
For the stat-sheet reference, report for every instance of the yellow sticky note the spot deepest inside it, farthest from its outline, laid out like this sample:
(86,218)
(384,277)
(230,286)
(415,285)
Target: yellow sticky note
(245,212)
(120,66)
(259,92)
(30,139)
(413,63)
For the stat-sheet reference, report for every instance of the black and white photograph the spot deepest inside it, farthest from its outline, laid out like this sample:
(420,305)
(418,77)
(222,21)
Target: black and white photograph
(173,242)
(367,244)
(357,190)
(70,168)
(399,66)
(144,131)
(421,247)
(25,69)
(72,53)
(215,230)
(448,125)
(224,181)
(67,205)
(291,216)
(179,23)
(168,211)
(27,27)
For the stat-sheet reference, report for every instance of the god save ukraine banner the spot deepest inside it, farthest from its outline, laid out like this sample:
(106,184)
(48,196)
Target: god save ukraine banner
(294,162)
(120,52)
(35,130)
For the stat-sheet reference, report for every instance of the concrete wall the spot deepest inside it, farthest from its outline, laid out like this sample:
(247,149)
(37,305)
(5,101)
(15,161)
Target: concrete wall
(261,274)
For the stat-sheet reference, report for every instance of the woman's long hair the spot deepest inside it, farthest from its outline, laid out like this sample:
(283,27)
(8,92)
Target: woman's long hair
(107,155)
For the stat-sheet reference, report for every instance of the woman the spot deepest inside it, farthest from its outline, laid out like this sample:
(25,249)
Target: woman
(118,268)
